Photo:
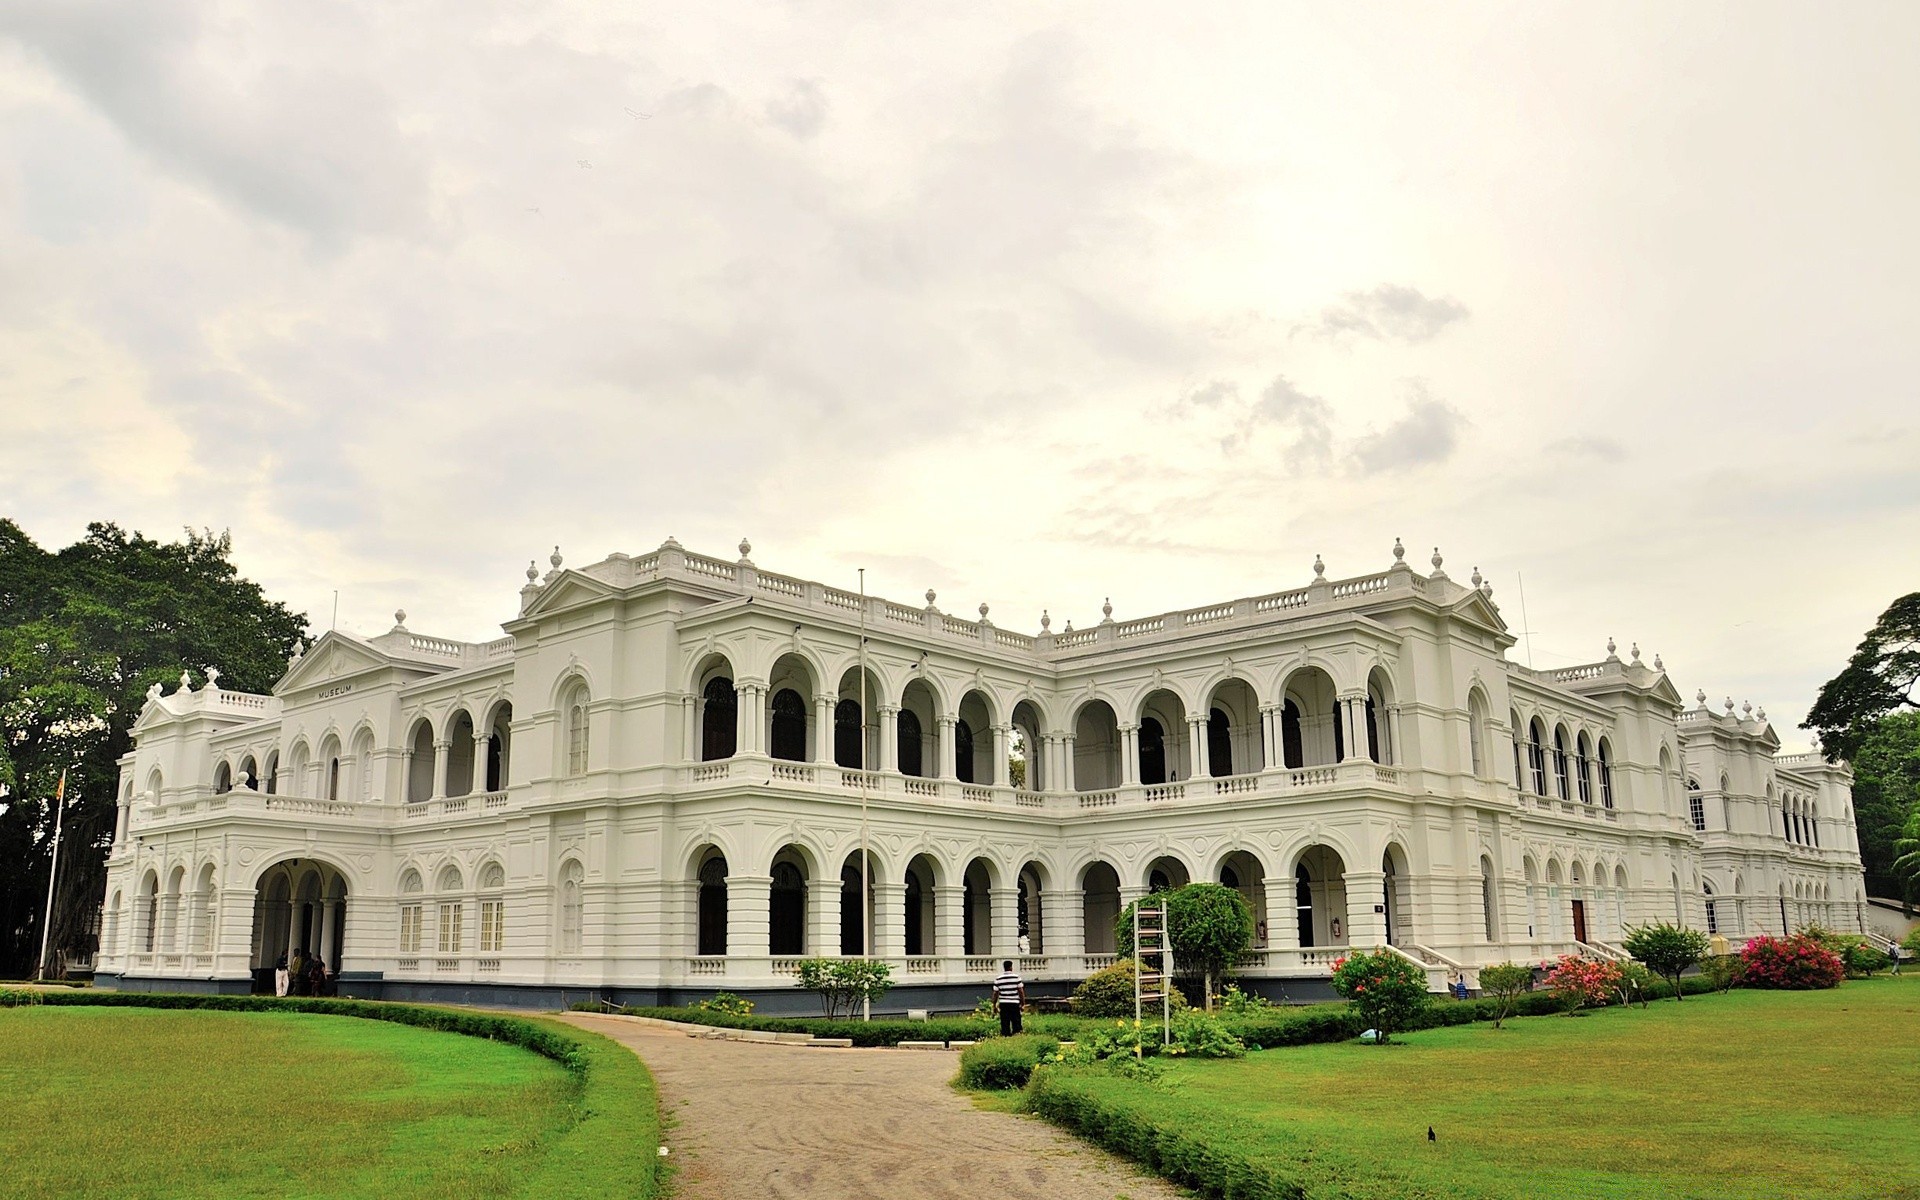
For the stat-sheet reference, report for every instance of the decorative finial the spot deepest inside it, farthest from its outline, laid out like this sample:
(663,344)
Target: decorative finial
(299,651)
(533,572)
(153,692)
(1046,622)
(1701,697)
(1636,652)
(186,682)
(1319,568)
(1729,705)
(1477,580)
(746,548)
(213,678)
(1761,712)
(1106,609)
(1069,626)
(1657,664)
(1612,649)
(930,597)
(399,618)
(983,610)
(554,558)
(1435,560)
(1746,709)
(1399,551)
(669,544)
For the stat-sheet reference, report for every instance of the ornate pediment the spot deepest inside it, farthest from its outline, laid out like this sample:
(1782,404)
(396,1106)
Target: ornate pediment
(336,657)
(571,590)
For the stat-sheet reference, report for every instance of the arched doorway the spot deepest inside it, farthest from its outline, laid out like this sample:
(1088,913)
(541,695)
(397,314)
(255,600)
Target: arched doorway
(787,904)
(712,929)
(1100,907)
(299,909)
(1320,897)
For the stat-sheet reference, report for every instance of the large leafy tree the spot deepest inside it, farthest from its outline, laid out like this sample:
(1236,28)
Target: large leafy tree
(83,633)
(1212,927)
(1886,798)
(1882,677)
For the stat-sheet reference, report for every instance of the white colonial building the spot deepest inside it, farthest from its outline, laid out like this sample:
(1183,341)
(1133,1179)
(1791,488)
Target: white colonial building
(658,783)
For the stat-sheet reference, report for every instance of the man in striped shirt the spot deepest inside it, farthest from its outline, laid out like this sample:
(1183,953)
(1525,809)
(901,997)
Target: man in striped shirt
(1009,993)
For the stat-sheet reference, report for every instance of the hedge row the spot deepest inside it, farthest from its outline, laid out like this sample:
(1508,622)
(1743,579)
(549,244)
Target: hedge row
(864,1033)
(1007,1062)
(614,1137)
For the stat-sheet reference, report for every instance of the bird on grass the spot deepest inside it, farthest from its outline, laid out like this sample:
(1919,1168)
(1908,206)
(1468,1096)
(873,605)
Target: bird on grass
(1430,1136)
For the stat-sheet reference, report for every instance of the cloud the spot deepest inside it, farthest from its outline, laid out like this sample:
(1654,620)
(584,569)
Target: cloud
(1429,432)
(1390,312)
(1588,446)
(802,111)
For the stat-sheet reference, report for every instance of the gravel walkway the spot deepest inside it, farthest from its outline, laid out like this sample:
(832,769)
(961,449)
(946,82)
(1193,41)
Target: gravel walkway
(753,1121)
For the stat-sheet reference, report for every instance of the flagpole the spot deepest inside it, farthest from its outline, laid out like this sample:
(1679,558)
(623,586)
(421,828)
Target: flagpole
(53,872)
(866,883)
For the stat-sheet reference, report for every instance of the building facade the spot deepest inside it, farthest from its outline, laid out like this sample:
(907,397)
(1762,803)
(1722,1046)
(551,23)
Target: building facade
(659,782)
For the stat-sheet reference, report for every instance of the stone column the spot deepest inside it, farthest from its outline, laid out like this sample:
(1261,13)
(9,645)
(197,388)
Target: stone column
(949,920)
(1353,728)
(440,759)
(479,783)
(1197,740)
(1061,777)
(1365,891)
(1270,748)
(747,915)
(943,749)
(325,948)
(889,919)
(823,729)
(889,739)
(1129,755)
(1003,922)
(997,772)
(122,817)
(1283,914)
(1392,752)
(1062,914)
(823,915)
(293,927)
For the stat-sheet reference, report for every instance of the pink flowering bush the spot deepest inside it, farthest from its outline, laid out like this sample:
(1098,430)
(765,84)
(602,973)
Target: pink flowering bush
(1798,963)
(1579,982)
(1386,991)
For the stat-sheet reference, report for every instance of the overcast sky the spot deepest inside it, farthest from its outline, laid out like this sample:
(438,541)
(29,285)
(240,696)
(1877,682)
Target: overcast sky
(1031,304)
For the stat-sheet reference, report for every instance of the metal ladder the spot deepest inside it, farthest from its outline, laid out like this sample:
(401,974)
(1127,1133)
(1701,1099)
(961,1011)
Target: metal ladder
(1152,967)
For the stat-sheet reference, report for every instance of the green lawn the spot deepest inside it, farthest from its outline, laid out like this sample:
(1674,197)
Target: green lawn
(134,1102)
(1752,1094)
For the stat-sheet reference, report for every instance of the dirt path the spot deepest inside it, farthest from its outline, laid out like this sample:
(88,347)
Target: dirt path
(752,1121)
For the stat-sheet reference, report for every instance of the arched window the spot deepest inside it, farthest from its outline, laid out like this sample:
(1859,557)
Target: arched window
(1339,732)
(1519,766)
(1303,904)
(1583,769)
(1561,783)
(713,906)
(1219,743)
(787,910)
(576,715)
(1153,752)
(452,911)
(907,730)
(848,734)
(249,776)
(271,776)
(493,910)
(963,752)
(1486,895)
(1537,756)
(222,779)
(333,777)
(410,889)
(571,904)
(1373,732)
(719,718)
(1292,746)
(1813,824)
(1696,807)
(1476,734)
(1606,775)
(1713,920)
(789,739)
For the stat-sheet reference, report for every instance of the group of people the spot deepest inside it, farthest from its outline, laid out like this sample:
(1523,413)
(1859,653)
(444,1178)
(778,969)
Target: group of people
(306,975)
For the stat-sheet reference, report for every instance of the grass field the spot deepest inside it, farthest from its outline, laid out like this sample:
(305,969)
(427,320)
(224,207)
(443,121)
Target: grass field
(1752,1094)
(135,1102)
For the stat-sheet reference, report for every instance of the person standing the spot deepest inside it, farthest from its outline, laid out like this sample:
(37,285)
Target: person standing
(280,976)
(1009,993)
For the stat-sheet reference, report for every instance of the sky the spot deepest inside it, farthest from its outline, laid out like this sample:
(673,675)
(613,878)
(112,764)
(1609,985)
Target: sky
(1032,304)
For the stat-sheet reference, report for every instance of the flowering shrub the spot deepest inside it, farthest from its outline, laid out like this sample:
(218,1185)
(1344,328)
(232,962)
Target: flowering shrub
(1578,982)
(725,1002)
(1386,991)
(1799,962)
(1236,1003)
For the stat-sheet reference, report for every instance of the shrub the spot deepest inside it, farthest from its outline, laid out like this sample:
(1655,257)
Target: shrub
(1386,991)
(1912,942)
(1723,971)
(844,982)
(1236,1003)
(1578,982)
(1636,984)
(1202,1035)
(1862,959)
(1211,925)
(887,1031)
(1108,992)
(1667,950)
(1797,963)
(724,1002)
(1005,1062)
(1503,985)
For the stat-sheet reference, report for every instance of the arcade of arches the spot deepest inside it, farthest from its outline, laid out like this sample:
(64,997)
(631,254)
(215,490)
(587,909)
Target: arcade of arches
(300,905)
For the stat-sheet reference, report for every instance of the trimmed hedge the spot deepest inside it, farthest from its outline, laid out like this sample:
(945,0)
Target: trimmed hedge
(614,1136)
(1004,1062)
(864,1033)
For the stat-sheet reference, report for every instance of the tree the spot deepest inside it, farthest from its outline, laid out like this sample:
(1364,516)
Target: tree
(83,633)
(1386,990)
(1669,951)
(842,983)
(1211,927)
(1882,677)
(1886,793)
(1504,984)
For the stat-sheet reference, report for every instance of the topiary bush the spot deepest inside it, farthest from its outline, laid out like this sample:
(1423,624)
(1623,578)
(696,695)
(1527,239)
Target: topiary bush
(1797,963)
(1108,992)
(1005,1062)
